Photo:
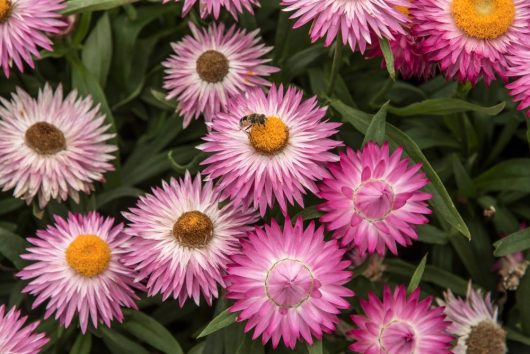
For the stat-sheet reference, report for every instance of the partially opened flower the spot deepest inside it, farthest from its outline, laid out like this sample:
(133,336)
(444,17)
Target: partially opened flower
(288,283)
(471,39)
(274,161)
(212,65)
(24,29)
(213,7)
(183,237)
(77,267)
(52,147)
(519,70)
(400,324)
(15,338)
(474,323)
(374,200)
(356,20)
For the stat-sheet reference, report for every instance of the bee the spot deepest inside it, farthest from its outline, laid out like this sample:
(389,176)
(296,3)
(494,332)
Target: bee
(252,119)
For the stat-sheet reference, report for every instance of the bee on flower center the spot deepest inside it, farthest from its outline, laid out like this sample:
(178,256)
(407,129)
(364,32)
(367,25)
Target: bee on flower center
(247,122)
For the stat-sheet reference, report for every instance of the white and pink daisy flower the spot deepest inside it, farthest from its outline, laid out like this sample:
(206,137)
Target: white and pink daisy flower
(474,323)
(288,284)
(373,199)
(24,26)
(16,338)
(471,39)
(182,237)
(52,147)
(400,324)
(356,21)
(213,7)
(275,161)
(519,70)
(77,266)
(212,65)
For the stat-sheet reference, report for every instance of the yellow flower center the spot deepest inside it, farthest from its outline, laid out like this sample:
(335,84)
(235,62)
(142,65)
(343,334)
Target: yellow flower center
(403,9)
(5,9)
(88,255)
(212,66)
(269,138)
(483,19)
(45,138)
(193,229)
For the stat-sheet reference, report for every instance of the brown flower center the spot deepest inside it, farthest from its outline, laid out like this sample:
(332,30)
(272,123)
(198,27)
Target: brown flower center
(45,138)
(5,9)
(212,66)
(486,338)
(269,138)
(88,255)
(193,229)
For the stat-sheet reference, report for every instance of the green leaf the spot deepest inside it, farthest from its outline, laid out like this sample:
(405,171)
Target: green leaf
(10,204)
(463,181)
(376,129)
(308,213)
(444,106)
(224,319)
(431,234)
(522,295)
(118,343)
(114,194)
(510,175)
(389,57)
(441,201)
(518,241)
(514,335)
(316,348)
(12,246)
(82,344)
(77,6)
(151,332)
(97,50)
(416,277)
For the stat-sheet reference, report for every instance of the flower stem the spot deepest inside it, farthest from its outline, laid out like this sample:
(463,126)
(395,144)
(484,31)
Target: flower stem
(335,67)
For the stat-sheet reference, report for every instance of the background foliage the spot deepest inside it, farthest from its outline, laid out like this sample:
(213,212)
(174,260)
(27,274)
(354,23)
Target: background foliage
(472,142)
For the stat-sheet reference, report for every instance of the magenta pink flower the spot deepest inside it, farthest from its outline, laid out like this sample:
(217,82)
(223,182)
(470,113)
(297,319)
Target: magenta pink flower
(213,65)
(17,339)
(399,324)
(373,200)
(356,20)
(519,70)
(471,39)
(213,7)
(288,284)
(24,25)
(183,237)
(77,266)
(275,161)
(52,147)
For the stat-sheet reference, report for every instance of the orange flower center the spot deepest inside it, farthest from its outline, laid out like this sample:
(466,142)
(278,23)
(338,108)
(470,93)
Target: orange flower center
(88,255)
(484,19)
(193,229)
(5,9)
(212,66)
(45,138)
(269,138)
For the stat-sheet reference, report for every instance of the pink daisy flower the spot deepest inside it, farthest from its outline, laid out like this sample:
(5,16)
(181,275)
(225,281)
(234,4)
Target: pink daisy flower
(212,65)
(373,200)
(399,324)
(17,339)
(24,25)
(52,147)
(274,161)
(209,7)
(288,284)
(357,20)
(183,237)
(77,265)
(474,323)
(519,70)
(471,39)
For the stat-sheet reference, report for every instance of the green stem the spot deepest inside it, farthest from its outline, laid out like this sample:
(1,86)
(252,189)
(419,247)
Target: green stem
(335,67)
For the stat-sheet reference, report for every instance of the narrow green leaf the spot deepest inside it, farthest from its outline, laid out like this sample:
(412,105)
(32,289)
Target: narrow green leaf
(308,213)
(444,106)
(389,57)
(376,129)
(514,335)
(77,6)
(114,194)
(151,332)
(12,246)
(430,234)
(97,50)
(463,181)
(10,204)
(416,277)
(224,319)
(118,343)
(522,295)
(190,166)
(518,241)
(509,175)
(82,344)
(441,201)
(316,348)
